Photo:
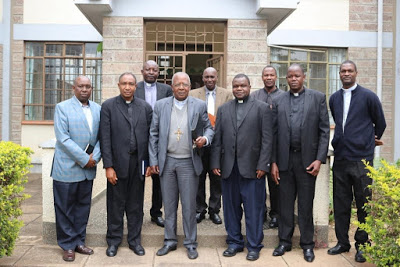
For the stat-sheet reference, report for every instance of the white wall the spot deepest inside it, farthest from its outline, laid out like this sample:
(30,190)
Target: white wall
(52,12)
(34,135)
(1,11)
(319,15)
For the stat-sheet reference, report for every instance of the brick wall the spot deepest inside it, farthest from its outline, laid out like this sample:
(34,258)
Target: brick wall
(1,89)
(122,51)
(17,75)
(247,50)
(363,17)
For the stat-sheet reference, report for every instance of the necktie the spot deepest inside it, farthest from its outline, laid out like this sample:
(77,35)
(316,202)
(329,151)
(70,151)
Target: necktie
(210,103)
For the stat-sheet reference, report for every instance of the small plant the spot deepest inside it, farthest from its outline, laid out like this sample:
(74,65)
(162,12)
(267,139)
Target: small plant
(382,223)
(14,166)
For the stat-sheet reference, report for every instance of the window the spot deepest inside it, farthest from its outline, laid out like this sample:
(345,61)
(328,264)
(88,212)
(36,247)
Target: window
(50,70)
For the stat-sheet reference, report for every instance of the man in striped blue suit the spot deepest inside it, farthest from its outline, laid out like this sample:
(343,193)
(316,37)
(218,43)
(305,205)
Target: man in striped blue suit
(77,152)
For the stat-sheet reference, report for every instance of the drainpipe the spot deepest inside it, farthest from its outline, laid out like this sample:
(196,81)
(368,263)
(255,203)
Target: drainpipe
(5,125)
(379,60)
(396,117)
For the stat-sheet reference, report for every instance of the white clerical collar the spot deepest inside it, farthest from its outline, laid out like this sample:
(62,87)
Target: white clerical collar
(348,90)
(150,84)
(180,104)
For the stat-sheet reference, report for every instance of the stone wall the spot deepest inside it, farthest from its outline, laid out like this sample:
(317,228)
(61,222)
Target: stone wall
(247,50)
(364,17)
(17,75)
(122,51)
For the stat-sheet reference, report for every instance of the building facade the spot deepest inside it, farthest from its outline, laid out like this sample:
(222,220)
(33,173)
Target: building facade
(44,45)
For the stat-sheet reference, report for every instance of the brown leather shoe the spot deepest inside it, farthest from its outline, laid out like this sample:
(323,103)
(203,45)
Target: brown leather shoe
(82,249)
(69,255)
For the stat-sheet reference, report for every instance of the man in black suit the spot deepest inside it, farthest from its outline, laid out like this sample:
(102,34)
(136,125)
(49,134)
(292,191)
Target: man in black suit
(124,136)
(241,154)
(301,146)
(151,91)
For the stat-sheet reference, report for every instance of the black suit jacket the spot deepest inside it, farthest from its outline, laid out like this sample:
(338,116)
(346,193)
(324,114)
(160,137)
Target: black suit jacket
(250,141)
(115,134)
(314,129)
(163,90)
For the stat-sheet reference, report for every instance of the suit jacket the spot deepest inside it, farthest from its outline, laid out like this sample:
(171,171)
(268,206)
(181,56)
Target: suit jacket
(163,90)
(115,134)
(159,130)
(250,141)
(73,135)
(314,129)
(222,95)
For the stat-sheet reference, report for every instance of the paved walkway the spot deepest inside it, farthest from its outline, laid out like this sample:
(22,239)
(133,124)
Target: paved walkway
(30,250)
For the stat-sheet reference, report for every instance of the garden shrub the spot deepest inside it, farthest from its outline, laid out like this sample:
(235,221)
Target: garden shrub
(383,223)
(14,166)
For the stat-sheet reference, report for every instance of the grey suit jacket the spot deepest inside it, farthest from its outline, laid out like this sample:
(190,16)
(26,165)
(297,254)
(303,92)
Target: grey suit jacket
(314,129)
(159,130)
(115,134)
(250,141)
(163,90)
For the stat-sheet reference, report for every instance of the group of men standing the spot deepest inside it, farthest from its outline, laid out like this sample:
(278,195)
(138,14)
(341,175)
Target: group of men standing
(179,136)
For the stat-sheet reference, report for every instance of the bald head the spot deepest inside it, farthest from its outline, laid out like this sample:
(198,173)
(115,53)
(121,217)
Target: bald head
(150,71)
(210,78)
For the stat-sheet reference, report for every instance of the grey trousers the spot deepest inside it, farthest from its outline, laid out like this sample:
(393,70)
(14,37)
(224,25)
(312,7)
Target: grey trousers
(179,180)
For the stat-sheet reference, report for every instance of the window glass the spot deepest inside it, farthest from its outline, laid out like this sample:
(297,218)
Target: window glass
(54,49)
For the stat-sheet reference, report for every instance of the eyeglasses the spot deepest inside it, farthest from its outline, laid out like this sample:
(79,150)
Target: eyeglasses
(185,85)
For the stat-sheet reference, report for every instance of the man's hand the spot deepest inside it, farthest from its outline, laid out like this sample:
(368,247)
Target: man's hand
(200,141)
(91,163)
(111,175)
(155,169)
(313,168)
(260,173)
(148,171)
(275,172)
(378,142)
(217,172)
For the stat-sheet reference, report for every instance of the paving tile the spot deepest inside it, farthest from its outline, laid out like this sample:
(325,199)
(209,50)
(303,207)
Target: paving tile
(48,256)
(18,252)
(296,258)
(124,257)
(266,259)
(208,257)
(29,217)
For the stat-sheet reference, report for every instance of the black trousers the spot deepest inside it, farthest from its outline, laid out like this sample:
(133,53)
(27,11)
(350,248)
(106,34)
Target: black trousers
(296,182)
(125,197)
(156,197)
(273,189)
(349,177)
(214,202)
(72,207)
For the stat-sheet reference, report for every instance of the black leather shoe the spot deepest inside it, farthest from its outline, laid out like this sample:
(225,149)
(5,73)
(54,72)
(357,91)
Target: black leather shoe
(138,249)
(359,256)
(200,217)
(281,249)
(309,254)
(337,250)
(273,223)
(192,253)
(158,220)
(252,255)
(165,250)
(230,252)
(111,251)
(214,217)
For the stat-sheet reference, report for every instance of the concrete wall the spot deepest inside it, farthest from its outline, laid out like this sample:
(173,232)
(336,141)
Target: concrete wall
(318,15)
(247,50)
(52,12)
(1,84)
(122,51)
(34,135)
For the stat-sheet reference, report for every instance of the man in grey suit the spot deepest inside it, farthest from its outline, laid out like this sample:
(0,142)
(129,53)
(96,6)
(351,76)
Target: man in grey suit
(152,91)
(241,154)
(180,127)
(124,135)
(301,147)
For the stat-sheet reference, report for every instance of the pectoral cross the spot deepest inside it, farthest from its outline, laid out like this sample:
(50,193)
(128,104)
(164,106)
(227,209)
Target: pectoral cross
(178,133)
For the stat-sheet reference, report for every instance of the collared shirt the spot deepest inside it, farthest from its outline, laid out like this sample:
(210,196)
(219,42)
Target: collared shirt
(212,92)
(88,114)
(296,118)
(150,93)
(346,102)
